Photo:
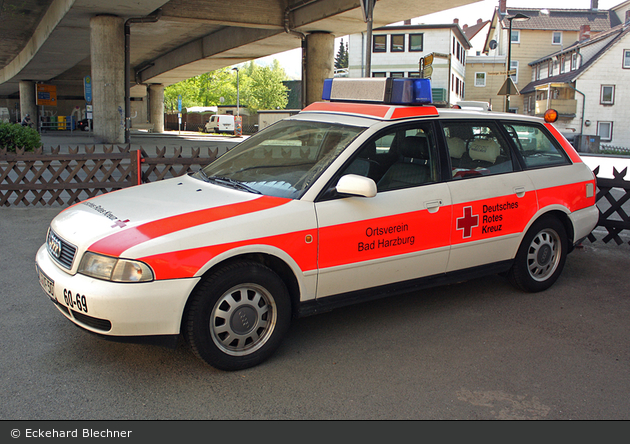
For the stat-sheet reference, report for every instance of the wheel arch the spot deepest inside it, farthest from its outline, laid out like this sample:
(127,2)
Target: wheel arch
(275,263)
(563,216)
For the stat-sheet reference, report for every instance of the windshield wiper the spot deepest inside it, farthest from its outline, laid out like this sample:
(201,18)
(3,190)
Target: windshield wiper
(231,182)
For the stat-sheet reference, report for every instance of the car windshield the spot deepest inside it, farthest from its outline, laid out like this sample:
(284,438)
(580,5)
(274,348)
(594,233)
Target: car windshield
(283,160)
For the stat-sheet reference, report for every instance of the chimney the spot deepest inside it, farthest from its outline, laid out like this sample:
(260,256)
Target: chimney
(465,27)
(479,21)
(456,21)
(408,22)
(585,32)
(594,5)
(503,7)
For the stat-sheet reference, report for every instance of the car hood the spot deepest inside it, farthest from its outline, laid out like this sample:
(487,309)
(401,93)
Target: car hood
(117,222)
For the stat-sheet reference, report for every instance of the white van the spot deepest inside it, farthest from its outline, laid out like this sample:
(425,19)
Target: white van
(220,123)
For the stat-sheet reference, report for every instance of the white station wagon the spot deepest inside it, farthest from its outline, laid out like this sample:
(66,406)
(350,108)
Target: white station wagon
(369,193)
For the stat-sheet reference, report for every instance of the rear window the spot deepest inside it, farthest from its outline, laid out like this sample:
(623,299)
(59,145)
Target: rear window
(536,146)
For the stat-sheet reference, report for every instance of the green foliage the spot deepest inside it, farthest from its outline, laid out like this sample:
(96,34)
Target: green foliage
(259,88)
(14,135)
(341,59)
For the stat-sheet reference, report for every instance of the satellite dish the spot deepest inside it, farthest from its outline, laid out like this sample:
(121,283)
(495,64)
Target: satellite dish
(493,44)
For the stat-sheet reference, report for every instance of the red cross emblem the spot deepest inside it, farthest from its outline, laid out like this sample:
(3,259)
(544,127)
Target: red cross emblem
(120,223)
(467,222)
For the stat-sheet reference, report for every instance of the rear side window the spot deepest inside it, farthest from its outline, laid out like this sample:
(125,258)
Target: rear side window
(476,149)
(536,146)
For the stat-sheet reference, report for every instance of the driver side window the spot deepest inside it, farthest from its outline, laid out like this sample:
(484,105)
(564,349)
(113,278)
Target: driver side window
(401,158)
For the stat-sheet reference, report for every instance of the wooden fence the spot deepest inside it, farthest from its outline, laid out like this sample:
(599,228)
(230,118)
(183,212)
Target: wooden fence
(612,194)
(35,178)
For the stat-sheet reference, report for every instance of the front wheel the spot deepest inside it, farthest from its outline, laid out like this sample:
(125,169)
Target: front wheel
(541,256)
(238,316)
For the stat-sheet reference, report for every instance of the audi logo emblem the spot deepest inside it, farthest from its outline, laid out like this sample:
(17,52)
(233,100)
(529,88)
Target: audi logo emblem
(54,246)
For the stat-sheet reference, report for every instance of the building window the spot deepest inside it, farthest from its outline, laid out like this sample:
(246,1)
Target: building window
(416,42)
(556,38)
(379,74)
(480,79)
(379,43)
(626,58)
(604,131)
(574,57)
(414,75)
(398,43)
(514,67)
(516,36)
(607,95)
(397,75)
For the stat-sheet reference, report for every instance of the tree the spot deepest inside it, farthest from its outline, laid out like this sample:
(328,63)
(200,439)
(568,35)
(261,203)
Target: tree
(341,60)
(260,87)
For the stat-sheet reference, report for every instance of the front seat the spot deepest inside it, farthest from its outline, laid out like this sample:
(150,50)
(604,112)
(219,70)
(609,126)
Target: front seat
(412,167)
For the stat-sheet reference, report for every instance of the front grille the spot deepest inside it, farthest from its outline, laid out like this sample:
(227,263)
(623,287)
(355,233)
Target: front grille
(96,323)
(61,251)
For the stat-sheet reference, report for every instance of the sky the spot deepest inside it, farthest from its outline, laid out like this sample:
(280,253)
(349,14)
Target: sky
(291,60)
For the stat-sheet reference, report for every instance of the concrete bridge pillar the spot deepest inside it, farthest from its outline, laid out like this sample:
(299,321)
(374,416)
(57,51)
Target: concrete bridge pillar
(27,101)
(156,107)
(107,44)
(320,55)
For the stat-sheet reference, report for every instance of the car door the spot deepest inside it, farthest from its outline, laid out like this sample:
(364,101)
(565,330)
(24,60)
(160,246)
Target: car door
(400,234)
(493,200)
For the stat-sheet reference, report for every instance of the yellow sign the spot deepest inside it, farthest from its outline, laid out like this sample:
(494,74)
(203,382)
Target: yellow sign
(46,95)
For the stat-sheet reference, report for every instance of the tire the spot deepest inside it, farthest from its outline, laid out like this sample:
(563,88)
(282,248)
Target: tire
(238,316)
(541,256)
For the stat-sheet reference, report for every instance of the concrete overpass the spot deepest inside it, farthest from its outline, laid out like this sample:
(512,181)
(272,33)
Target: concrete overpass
(59,42)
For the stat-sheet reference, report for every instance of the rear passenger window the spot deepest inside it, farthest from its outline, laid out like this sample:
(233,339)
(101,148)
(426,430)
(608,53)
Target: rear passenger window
(535,146)
(476,149)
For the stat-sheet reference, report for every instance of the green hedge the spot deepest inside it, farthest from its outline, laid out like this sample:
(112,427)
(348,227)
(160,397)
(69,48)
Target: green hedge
(14,135)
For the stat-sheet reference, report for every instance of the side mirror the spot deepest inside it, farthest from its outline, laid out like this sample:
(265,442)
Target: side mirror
(355,185)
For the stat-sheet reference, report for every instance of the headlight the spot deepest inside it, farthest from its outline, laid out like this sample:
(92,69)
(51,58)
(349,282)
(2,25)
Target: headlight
(114,269)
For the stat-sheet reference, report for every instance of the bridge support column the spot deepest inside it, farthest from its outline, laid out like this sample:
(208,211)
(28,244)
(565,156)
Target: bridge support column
(320,55)
(107,45)
(156,107)
(27,101)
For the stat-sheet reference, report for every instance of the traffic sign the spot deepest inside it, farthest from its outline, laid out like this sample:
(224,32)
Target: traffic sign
(508,88)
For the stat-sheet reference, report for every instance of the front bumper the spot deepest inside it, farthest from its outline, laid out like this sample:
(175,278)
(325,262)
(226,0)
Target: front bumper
(117,309)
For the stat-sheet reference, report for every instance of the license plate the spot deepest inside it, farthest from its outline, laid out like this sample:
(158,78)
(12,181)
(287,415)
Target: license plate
(47,284)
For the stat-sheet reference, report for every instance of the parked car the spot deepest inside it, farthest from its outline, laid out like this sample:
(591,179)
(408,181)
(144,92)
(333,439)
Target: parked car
(342,203)
(220,123)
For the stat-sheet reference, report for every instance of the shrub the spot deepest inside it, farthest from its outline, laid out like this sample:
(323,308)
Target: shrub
(14,135)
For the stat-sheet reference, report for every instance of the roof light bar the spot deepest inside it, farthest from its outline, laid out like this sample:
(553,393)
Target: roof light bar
(379,90)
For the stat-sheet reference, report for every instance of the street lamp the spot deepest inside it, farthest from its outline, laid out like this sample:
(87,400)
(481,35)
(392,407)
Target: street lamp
(519,18)
(237,93)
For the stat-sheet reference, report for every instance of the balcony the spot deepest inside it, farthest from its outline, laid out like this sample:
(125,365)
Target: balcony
(565,107)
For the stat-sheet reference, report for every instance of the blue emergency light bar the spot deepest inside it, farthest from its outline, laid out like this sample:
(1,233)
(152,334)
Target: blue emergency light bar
(379,90)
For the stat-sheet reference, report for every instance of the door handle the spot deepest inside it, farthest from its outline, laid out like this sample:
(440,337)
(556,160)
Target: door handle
(433,205)
(520,191)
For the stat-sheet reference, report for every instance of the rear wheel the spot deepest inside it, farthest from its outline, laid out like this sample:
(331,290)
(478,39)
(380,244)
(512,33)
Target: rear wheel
(238,316)
(541,256)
